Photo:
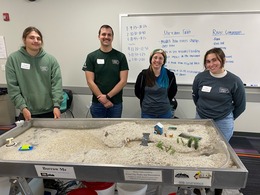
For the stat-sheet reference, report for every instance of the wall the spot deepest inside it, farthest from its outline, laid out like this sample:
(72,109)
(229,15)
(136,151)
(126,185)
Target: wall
(70,32)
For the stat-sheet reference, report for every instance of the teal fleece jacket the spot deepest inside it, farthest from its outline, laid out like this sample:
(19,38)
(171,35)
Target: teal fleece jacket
(34,81)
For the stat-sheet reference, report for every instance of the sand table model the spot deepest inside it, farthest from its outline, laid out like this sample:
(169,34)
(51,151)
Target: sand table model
(121,144)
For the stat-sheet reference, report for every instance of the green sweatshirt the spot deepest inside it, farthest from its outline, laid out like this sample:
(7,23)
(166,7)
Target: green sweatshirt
(34,81)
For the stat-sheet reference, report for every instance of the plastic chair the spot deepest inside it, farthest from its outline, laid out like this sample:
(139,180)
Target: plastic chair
(66,103)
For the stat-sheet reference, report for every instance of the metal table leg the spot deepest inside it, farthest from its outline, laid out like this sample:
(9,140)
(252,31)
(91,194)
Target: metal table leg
(19,184)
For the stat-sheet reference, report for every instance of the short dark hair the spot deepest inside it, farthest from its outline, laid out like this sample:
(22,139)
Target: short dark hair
(29,29)
(218,52)
(106,26)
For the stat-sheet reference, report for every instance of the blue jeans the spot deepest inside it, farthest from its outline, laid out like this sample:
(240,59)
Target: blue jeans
(166,115)
(225,125)
(97,110)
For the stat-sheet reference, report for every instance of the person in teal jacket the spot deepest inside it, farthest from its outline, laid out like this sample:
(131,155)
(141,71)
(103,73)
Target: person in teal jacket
(34,79)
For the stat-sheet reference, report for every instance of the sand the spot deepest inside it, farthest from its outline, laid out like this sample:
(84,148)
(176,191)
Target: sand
(120,144)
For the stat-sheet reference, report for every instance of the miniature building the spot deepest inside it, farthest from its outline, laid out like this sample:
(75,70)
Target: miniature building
(158,129)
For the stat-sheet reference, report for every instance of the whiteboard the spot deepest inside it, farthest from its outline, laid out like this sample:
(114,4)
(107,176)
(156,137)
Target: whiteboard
(187,36)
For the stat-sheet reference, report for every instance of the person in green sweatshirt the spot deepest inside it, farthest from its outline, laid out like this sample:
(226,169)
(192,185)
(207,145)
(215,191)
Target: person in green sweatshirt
(34,81)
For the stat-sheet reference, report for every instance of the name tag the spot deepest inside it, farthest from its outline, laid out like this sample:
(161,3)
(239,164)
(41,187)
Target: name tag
(100,61)
(206,89)
(25,66)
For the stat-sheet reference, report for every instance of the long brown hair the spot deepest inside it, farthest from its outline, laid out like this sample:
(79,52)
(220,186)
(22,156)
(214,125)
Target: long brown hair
(150,77)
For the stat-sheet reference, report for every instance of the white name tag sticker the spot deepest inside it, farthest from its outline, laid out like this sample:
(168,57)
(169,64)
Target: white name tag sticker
(206,89)
(100,61)
(25,66)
